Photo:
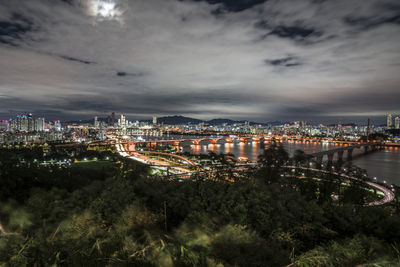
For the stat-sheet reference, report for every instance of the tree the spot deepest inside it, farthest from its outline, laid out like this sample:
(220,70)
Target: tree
(272,161)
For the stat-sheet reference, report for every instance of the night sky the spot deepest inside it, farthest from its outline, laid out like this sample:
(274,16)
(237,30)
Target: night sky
(259,60)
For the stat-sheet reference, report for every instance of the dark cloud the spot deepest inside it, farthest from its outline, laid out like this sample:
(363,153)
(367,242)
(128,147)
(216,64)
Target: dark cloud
(13,30)
(70,2)
(138,105)
(371,22)
(294,32)
(386,12)
(303,34)
(77,60)
(286,62)
(210,58)
(123,74)
(235,5)
(352,106)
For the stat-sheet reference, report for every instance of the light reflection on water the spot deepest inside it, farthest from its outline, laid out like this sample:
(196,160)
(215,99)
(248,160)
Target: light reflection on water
(384,164)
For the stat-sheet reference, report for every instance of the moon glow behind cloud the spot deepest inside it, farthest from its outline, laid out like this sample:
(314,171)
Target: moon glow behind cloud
(258,60)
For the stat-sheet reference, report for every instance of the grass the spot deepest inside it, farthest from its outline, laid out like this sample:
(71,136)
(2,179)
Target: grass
(92,164)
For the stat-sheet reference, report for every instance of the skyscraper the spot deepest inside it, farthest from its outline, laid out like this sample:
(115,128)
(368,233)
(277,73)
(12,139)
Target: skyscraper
(154,120)
(39,124)
(57,126)
(22,123)
(121,121)
(389,123)
(96,122)
(30,123)
(397,122)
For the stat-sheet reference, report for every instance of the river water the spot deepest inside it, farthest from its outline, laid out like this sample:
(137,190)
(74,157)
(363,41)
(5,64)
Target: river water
(383,164)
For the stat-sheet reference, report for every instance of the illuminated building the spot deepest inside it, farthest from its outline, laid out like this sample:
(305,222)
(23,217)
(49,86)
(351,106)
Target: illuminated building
(22,123)
(397,122)
(96,122)
(154,120)
(39,125)
(57,126)
(30,122)
(389,123)
(4,125)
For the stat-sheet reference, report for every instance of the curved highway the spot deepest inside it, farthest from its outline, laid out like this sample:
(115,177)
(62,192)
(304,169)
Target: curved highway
(388,194)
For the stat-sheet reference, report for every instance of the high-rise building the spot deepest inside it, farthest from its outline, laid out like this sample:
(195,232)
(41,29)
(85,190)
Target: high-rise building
(39,124)
(121,121)
(96,122)
(13,125)
(397,122)
(57,126)
(22,123)
(389,123)
(30,122)
(154,120)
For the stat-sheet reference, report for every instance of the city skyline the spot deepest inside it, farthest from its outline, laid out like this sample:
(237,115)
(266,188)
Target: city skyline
(243,60)
(392,120)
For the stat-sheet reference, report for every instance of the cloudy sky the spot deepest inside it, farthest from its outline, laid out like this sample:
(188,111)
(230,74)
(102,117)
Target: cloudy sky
(261,60)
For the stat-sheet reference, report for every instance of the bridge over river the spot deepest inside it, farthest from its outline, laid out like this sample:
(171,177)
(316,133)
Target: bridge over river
(368,147)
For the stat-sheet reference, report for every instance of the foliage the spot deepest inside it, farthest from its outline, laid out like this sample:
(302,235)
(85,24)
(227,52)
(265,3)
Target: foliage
(113,213)
(355,251)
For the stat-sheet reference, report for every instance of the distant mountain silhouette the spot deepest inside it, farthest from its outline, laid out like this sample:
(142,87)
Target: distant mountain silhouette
(182,120)
(221,121)
(178,120)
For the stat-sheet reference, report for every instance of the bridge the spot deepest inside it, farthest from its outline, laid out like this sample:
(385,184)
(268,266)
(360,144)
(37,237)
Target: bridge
(319,156)
(222,139)
(203,141)
(183,171)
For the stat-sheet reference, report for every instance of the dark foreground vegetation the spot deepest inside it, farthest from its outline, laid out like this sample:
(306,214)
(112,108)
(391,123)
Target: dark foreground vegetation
(108,211)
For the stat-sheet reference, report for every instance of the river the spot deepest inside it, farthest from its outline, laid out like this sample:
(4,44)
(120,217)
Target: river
(383,164)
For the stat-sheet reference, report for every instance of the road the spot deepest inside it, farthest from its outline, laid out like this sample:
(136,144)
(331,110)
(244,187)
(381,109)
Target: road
(149,161)
(186,173)
(388,194)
